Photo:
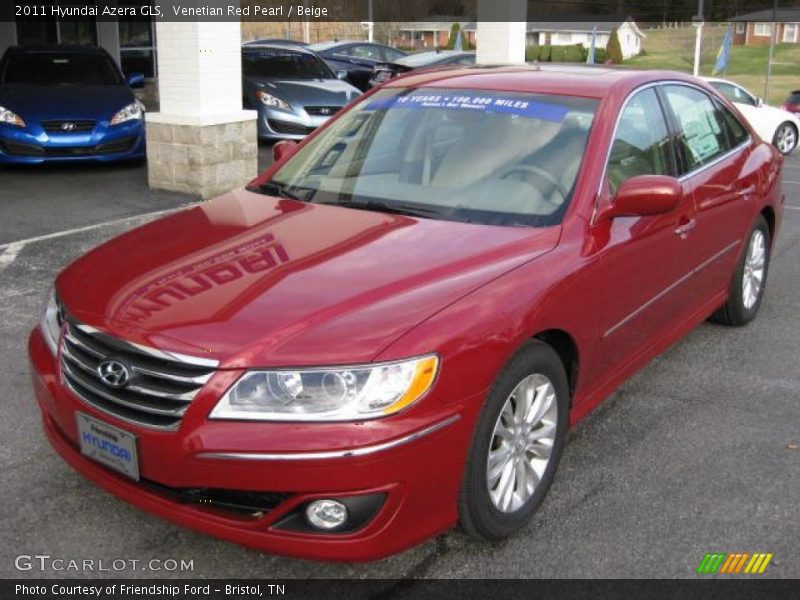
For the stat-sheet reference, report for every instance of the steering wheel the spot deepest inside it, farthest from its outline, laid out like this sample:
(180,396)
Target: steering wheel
(541,173)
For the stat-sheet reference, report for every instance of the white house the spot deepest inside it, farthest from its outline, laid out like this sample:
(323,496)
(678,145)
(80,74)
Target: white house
(566,33)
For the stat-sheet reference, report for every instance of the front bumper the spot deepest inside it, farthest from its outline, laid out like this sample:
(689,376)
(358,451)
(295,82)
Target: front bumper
(282,125)
(414,464)
(104,143)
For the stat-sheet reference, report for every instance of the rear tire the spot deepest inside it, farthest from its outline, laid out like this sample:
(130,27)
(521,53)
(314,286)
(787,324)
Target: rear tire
(749,279)
(517,444)
(785,139)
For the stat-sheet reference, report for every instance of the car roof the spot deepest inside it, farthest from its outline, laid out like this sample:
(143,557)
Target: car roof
(568,80)
(720,79)
(274,46)
(332,44)
(329,45)
(281,41)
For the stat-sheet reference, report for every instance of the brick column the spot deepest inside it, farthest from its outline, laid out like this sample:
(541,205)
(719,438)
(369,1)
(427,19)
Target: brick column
(500,34)
(201,141)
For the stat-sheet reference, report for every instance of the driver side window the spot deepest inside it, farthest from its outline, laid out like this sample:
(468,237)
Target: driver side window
(641,144)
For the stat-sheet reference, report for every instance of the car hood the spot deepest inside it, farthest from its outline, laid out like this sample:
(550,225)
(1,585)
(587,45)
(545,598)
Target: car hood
(252,280)
(44,102)
(308,92)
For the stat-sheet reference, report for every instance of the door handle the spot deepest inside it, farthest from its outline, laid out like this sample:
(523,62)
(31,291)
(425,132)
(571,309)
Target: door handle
(683,230)
(746,191)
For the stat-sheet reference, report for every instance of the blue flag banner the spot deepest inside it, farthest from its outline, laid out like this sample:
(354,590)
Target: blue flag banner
(590,57)
(724,51)
(459,45)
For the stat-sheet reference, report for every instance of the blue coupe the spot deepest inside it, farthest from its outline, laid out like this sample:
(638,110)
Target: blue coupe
(67,103)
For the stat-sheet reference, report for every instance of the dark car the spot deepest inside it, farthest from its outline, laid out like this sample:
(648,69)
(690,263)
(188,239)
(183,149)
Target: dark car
(422,60)
(67,103)
(293,90)
(282,42)
(792,103)
(357,58)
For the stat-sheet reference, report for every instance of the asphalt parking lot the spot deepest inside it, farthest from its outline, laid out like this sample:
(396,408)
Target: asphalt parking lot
(699,452)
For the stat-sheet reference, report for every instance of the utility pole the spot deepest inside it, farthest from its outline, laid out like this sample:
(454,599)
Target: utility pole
(698,23)
(774,27)
(306,27)
(371,22)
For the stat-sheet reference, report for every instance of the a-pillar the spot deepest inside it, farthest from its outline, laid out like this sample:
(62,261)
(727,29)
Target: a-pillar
(201,142)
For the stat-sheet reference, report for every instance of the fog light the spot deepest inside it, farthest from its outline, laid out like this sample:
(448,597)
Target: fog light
(326,514)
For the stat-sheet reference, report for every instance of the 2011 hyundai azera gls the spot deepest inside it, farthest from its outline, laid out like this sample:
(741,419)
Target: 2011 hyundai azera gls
(390,330)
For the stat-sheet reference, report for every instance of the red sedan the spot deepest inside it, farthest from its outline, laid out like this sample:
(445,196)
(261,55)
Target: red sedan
(390,331)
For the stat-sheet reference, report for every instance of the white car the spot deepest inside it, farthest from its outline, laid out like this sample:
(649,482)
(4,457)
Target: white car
(772,124)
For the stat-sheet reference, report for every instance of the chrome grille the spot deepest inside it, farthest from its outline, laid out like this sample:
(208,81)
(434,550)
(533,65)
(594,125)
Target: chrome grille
(161,386)
(68,126)
(324,111)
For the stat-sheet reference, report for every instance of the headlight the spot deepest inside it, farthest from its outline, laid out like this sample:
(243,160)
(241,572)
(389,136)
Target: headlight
(6,116)
(133,111)
(341,394)
(51,322)
(272,101)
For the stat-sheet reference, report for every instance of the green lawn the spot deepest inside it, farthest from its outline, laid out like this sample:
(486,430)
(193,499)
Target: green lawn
(674,49)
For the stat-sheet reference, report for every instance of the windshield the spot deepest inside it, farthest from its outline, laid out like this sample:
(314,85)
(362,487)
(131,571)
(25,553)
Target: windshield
(500,158)
(283,64)
(61,69)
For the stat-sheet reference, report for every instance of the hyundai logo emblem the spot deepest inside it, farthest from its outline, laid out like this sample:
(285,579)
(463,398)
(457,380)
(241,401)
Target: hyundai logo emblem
(114,373)
(324,111)
(68,126)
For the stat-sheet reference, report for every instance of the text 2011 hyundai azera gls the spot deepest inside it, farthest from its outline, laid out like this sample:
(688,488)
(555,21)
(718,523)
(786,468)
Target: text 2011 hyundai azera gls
(389,331)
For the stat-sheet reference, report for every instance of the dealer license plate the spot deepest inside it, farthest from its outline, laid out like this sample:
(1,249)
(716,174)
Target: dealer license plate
(108,445)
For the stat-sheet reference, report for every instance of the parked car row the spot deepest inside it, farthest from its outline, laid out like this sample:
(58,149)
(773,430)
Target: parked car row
(68,103)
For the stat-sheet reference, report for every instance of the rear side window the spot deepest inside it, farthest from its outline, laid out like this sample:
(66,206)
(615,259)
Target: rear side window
(641,143)
(392,55)
(701,137)
(794,98)
(363,51)
(737,133)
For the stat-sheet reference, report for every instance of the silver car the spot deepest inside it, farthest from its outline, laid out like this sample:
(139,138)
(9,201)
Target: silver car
(293,90)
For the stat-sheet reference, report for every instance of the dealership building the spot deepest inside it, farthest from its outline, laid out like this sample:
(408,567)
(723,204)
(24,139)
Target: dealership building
(201,141)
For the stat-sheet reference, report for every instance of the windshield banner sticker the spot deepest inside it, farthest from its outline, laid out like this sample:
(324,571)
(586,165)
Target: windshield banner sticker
(474,102)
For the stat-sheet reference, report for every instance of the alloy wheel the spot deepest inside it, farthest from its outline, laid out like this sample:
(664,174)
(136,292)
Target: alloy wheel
(786,138)
(753,274)
(522,443)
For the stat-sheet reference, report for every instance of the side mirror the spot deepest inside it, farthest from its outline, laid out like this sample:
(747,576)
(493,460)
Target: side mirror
(135,80)
(645,195)
(283,149)
(759,101)
(341,74)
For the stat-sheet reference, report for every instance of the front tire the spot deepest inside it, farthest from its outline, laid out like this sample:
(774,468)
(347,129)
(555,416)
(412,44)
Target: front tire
(785,139)
(749,279)
(517,444)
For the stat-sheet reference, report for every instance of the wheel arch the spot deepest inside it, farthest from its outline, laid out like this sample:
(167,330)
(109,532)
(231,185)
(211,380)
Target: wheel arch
(567,349)
(769,216)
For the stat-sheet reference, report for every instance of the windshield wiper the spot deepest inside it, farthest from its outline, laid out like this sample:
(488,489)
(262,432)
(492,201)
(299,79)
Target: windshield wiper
(397,209)
(277,189)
